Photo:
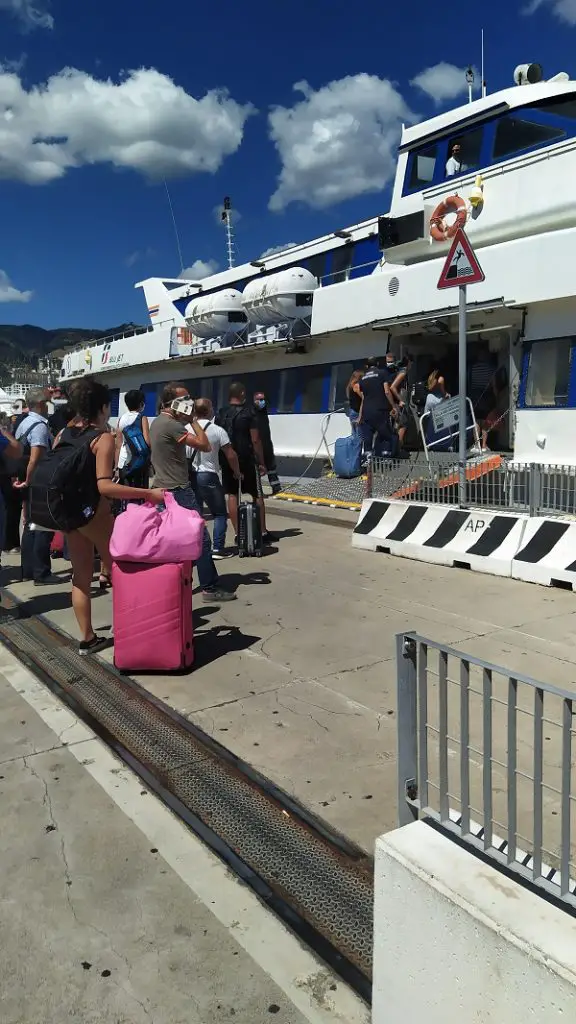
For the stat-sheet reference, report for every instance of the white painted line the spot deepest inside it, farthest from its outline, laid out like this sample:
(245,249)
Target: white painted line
(304,980)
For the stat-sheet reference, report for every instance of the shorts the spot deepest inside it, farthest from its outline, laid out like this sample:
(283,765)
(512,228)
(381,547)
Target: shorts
(250,480)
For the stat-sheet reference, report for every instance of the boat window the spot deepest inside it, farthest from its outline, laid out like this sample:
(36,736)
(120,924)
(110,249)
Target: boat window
(464,152)
(150,392)
(289,391)
(222,387)
(548,376)
(312,381)
(515,134)
(114,401)
(317,265)
(422,172)
(236,317)
(341,263)
(562,106)
(343,372)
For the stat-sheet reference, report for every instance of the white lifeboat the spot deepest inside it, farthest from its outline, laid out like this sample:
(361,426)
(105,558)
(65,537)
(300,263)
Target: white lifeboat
(286,295)
(209,316)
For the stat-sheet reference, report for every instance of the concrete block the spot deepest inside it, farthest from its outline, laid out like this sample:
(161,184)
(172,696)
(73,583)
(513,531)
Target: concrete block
(456,940)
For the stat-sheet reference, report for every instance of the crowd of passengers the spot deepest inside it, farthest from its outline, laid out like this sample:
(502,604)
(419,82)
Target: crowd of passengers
(203,459)
(386,397)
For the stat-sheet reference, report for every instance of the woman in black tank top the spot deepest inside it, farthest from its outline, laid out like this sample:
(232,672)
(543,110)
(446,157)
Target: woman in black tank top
(90,402)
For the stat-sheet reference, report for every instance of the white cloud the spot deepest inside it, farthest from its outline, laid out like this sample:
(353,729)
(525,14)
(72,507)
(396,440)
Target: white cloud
(8,293)
(145,122)
(199,269)
(138,255)
(276,248)
(30,14)
(337,142)
(565,10)
(443,82)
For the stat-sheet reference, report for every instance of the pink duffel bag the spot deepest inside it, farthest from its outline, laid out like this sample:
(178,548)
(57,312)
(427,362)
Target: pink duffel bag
(144,534)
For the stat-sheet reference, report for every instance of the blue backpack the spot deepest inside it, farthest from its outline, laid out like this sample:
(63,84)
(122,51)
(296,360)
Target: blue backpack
(139,450)
(348,456)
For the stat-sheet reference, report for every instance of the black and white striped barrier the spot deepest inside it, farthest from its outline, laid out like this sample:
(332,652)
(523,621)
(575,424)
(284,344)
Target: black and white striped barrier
(548,553)
(483,541)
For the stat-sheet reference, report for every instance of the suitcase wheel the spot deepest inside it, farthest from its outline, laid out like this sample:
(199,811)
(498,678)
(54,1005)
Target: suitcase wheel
(240,554)
(258,553)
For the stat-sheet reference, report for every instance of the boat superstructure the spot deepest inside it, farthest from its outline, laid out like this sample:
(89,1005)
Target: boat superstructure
(295,323)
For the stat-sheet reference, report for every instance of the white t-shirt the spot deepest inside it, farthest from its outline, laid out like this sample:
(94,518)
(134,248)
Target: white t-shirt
(208,462)
(454,166)
(126,420)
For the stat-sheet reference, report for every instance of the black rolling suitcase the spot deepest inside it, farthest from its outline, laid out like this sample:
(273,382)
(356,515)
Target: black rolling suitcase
(249,528)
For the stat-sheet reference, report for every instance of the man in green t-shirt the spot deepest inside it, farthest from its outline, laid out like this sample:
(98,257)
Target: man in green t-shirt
(169,439)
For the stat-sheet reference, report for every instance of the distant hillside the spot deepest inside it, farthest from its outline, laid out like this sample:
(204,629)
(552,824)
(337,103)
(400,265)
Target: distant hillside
(23,344)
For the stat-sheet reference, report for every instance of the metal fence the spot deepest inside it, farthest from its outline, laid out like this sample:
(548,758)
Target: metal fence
(493,481)
(488,754)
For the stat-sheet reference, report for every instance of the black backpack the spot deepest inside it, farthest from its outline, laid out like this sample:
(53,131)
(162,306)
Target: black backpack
(63,492)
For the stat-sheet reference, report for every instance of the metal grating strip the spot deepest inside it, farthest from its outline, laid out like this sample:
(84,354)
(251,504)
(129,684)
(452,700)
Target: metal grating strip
(327,885)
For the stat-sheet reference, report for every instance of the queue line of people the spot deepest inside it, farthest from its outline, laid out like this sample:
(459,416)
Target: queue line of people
(194,458)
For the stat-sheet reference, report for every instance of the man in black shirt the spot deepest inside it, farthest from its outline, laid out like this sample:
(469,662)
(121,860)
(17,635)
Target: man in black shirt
(238,420)
(263,424)
(377,404)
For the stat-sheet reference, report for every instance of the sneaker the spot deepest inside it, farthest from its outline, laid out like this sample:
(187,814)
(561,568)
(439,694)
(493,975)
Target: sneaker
(95,645)
(48,581)
(276,488)
(219,555)
(269,538)
(217,596)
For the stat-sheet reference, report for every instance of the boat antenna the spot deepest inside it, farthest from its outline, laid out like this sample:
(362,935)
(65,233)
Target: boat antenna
(482,72)
(226,218)
(178,246)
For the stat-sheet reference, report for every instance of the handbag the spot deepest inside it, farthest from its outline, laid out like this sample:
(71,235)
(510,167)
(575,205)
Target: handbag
(143,533)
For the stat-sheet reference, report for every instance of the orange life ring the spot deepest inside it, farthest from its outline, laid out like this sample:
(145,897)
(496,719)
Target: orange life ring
(439,229)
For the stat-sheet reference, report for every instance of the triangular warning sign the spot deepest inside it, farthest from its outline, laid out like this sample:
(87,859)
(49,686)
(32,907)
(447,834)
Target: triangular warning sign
(461,266)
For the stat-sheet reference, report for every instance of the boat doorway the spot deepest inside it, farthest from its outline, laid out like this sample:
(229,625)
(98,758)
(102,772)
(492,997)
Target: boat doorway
(488,376)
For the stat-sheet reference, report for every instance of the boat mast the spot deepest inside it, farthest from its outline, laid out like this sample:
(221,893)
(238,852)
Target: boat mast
(227,221)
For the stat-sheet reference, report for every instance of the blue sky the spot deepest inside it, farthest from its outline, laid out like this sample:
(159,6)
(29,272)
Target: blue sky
(291,109)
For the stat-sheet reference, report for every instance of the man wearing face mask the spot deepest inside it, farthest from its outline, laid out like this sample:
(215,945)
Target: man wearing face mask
(263,424)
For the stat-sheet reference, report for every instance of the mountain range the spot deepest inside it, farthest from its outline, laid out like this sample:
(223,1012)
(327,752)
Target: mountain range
(23,344)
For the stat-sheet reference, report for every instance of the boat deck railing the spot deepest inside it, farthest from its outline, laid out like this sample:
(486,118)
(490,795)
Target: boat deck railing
(109,338)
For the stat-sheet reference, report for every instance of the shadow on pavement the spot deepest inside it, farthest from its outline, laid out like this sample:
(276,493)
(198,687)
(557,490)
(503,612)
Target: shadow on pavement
(215,642)
(233,580)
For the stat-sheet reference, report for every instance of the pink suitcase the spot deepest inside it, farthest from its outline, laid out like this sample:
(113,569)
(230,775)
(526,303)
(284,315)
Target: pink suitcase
(152,609)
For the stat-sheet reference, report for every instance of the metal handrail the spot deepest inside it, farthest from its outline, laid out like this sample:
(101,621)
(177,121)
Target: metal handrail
(466,771)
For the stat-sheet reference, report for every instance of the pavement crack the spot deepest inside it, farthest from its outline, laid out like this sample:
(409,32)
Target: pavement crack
(237,700)
(268,639)
(33,753)
(327,711)
(303,714)
(47,801)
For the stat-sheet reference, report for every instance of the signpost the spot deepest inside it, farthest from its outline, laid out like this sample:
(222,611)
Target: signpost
(461,269)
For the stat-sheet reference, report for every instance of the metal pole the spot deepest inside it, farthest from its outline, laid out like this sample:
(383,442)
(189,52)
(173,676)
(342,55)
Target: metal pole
(462,396)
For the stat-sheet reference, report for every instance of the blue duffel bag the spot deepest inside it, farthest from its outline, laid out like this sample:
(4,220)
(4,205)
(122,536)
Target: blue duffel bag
(348,456)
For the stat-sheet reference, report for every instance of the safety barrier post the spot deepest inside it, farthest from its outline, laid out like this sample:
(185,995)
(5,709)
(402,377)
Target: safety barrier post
(369,483)
(534,489)
(407,729)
